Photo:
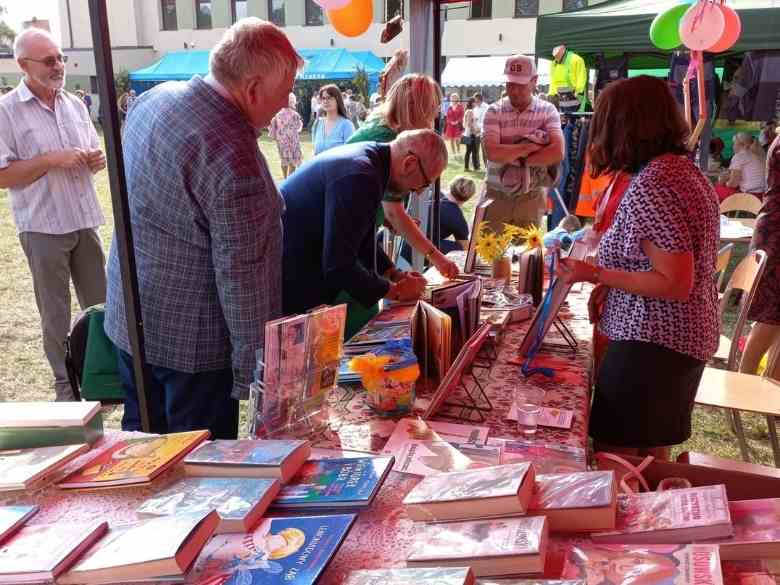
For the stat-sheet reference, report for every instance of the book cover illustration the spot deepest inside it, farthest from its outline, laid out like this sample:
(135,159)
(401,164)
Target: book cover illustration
(683,508)
(586,489)
(478,539)
(12,517)
(326,334)
(556,418)
(41,547)
(18,466)
(396,314)
(421,576)
(371,335)
(546,457)
(644,564)
(280,550)
(232,498)
(429,458)
(416,429)
(268,452)
(334,481)
(755,521)
(135,459)
(489,482)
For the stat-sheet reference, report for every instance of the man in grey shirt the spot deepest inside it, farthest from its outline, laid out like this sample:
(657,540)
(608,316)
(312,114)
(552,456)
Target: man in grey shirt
(207,230)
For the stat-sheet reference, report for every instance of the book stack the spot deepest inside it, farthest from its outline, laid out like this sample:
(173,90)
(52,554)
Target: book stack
(756,534)
(24,425)
(28,469)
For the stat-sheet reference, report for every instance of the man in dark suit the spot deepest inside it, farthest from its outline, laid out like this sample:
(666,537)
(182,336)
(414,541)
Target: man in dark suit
(206,219)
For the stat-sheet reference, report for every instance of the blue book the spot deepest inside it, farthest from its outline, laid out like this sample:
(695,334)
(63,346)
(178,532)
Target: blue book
(350,483)
(12,518)
(286,550)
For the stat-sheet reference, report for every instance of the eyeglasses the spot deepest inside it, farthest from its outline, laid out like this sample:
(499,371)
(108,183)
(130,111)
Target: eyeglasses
(425,177)
(326,97)
(49,61)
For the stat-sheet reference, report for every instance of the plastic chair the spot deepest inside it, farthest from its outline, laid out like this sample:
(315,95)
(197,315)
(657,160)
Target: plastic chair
(741,202)
(722,262)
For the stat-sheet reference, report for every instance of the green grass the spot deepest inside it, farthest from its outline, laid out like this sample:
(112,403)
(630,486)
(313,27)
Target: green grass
(25,374)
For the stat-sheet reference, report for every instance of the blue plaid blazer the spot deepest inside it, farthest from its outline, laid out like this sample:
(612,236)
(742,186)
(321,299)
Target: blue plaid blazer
(207,230)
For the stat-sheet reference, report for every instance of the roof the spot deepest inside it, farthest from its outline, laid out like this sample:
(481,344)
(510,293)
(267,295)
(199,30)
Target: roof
(623,26)
(482,71)
(320,64)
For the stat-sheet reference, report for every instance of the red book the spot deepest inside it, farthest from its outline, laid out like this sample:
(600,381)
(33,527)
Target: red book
(756,531)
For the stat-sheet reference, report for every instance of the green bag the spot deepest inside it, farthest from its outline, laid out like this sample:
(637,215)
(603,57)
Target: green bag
(99,374)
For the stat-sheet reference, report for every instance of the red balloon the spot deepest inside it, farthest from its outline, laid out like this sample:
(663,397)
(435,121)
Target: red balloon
(731,30)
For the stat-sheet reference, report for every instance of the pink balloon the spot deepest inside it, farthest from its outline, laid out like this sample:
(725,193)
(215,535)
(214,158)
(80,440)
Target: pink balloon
(333,4)
(702,26)
(731,31)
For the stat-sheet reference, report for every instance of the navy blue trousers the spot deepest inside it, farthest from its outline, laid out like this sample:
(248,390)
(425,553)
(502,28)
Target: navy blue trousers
(179,401)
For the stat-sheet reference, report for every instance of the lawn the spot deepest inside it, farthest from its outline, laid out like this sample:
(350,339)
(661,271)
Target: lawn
(25,374)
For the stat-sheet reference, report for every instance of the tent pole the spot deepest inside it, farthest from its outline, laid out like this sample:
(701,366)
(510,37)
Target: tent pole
(116,173)
(437,32)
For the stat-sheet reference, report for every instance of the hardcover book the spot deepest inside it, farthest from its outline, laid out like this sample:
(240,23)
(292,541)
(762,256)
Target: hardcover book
(160,547)
(504,546)
(22,469)
(239,501)
(481,493)
(433,576)
(24,425)
(672,564)
(294,550)
(134,461)
(585,501)
(12,518)
(546,457)
(756,531)
(335,483)
(248,458)
(41,552)
(673,516)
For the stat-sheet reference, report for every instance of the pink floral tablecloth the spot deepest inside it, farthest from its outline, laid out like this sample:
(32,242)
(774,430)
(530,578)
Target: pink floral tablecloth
(382,534)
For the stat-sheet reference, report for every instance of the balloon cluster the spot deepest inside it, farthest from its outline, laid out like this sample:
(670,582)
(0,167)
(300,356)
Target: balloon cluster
(706,25)
(349,17)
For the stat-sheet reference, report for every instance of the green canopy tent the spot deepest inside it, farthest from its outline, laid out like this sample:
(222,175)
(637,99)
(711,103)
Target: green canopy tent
(616,27)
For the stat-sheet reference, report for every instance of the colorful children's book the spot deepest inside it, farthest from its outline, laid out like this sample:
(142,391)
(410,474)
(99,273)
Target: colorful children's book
(395,314)
(488,492)
(134,461)
(22,469)
(157,548)
(248,458)
(41,552)
(12,518)
(674,516)
(335,483)
(416,429)
(430,458)
(584,501)
(294,550)
(503,546)
(671,564)
(239,501)
(548,417)
(546,457)
(434,576)
(756,531)
(24,425)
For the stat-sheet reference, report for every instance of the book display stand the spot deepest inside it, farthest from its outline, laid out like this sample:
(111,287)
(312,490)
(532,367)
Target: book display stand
(565,332)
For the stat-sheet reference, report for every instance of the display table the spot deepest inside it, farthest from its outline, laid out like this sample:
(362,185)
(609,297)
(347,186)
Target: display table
(382,535)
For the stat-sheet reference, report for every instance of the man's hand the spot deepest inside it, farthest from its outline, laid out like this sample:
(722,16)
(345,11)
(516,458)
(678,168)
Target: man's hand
(96,160)
(408,288)
(446,267)
(68,159)
(596,302)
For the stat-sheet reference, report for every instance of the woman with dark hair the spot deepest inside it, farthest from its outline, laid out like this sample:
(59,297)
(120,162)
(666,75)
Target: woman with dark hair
(654,294)
(333,128)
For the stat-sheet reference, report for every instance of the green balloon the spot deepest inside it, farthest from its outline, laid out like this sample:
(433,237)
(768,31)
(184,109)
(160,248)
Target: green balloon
(664,32)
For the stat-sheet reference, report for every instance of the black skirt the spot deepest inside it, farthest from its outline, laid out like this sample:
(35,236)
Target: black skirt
(644,395)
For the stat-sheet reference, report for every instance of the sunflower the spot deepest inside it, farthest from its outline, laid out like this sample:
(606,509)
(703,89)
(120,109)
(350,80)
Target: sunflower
(488,247)
(532,236)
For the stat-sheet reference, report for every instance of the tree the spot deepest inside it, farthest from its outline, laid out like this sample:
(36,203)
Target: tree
(360,82)
(122,82)
(7,34)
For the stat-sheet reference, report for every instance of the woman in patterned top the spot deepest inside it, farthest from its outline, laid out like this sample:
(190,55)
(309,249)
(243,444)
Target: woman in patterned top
(285,129)
(655,291)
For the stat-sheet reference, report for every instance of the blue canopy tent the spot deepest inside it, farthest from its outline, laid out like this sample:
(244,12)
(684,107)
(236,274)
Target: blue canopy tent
(324,64)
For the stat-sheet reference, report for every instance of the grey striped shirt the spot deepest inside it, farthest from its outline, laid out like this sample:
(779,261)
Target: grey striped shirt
(63,200)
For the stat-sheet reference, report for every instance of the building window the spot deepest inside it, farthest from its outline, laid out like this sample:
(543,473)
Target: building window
(569,5)
(313,14)
(481,8)
(169,14)
(238,9)
(203,13)
(526,8)
(276,12)
(393,8)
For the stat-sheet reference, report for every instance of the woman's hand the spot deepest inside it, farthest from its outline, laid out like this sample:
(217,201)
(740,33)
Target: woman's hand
(571,271)
(446,267)
(596,303)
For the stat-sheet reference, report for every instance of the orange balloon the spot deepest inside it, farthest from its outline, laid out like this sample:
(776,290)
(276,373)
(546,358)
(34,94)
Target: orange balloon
(354,19)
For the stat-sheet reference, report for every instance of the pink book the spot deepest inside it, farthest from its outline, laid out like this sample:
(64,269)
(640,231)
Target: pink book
(671,564)
(673,516)
(756,531)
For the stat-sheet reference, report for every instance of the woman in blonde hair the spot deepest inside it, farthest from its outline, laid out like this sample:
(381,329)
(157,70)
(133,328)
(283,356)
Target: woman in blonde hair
(746,171)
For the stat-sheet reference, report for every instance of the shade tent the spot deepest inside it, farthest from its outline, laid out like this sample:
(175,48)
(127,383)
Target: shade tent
(320,64)
(482,71)
(622,26)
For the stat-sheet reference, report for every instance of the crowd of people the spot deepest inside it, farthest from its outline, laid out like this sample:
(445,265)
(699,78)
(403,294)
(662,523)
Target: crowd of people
(221,248)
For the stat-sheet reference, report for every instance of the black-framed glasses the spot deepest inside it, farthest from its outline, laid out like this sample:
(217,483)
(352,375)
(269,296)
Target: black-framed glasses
(327,96)
(425,177)
(49,61)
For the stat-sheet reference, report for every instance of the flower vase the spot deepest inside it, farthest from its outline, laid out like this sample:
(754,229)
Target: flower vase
(502,268)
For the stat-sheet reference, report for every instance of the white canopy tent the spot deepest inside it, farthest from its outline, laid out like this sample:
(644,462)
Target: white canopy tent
(483,71)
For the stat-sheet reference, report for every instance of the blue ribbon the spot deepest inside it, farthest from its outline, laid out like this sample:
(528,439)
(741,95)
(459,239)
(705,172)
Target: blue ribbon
(526,368)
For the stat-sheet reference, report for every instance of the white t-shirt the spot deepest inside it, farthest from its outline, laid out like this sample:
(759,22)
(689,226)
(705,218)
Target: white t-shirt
(752,170)
(480,111)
